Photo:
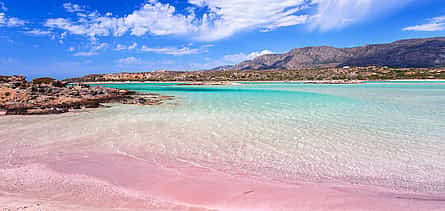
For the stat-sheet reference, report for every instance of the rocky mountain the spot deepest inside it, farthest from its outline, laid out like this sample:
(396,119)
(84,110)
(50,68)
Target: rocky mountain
(411,53)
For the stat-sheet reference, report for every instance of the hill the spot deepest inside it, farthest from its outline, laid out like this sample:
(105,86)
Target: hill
(411,53)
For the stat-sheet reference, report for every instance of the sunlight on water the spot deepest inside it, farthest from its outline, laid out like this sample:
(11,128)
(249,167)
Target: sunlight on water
(381,134)
(237,139)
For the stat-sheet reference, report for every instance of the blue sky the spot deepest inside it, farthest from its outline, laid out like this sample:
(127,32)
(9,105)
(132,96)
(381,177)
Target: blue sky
(76,37)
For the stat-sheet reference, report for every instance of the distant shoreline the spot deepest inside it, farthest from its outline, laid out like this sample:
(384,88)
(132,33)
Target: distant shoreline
(292,81)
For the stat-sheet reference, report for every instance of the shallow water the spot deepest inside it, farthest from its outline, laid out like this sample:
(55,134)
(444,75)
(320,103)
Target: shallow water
(292,139)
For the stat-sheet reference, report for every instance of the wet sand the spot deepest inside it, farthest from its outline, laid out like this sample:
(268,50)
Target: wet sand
(101,181)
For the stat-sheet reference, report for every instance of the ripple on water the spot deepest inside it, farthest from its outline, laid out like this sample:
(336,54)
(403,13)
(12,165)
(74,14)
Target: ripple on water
(368,135)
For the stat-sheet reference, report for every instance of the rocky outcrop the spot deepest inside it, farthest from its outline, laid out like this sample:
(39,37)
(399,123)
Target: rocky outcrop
(412,53)
(18,97)
(13,81)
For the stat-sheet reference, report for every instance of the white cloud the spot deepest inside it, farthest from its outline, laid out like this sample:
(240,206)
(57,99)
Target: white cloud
(177,51)
(228,17)
(219,19)
(132,46)
(90,26)
(434,24)
(223,19)
(332,14)
(154,18)
(121,47)
(94,50)
(10,21)
(2,18)
(237,58)
(86,53)
(14,22)
(158,19)
(172,51)
(38,32)
(129,60)
(70,7)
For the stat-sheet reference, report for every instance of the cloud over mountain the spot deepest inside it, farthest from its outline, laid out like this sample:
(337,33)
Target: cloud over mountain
(220,19)
(434,24)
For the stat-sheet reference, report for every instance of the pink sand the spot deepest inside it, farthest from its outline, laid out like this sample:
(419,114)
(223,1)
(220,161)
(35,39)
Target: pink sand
(100,181)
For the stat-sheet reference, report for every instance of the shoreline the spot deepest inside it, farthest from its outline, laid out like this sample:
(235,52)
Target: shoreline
(291,81)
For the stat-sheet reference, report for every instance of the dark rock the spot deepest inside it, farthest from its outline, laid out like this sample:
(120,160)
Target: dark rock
(91,104)
(76,106)
(141,101)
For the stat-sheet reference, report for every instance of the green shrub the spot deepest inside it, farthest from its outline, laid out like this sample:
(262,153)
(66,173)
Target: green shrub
(48,81)
(45,80)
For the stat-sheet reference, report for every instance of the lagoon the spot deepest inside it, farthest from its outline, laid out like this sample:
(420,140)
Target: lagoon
(255,146)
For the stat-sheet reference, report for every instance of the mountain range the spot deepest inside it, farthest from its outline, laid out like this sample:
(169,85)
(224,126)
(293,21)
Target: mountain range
(403,59)
(410,53)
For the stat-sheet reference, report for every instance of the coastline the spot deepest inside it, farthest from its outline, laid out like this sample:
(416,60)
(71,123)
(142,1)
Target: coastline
(222,105)
(291,81)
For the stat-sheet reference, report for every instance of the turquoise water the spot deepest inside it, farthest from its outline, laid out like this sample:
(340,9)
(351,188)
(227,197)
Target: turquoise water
(367,146)
(408,81)
(390,134)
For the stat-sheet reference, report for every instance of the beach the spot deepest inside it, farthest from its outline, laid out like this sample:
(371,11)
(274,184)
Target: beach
(255,146)
(222,105)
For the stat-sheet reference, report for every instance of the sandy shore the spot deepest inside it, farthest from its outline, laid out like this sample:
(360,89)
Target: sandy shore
(98,181)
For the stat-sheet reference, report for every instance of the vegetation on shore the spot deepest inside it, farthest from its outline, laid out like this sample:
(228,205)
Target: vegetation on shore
(344,73)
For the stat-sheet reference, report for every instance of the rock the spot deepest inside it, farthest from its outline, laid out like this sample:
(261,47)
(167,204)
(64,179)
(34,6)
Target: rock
(91,104)
(41,111)
(44,96)
(76,106)
(141,101)
(16,110)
